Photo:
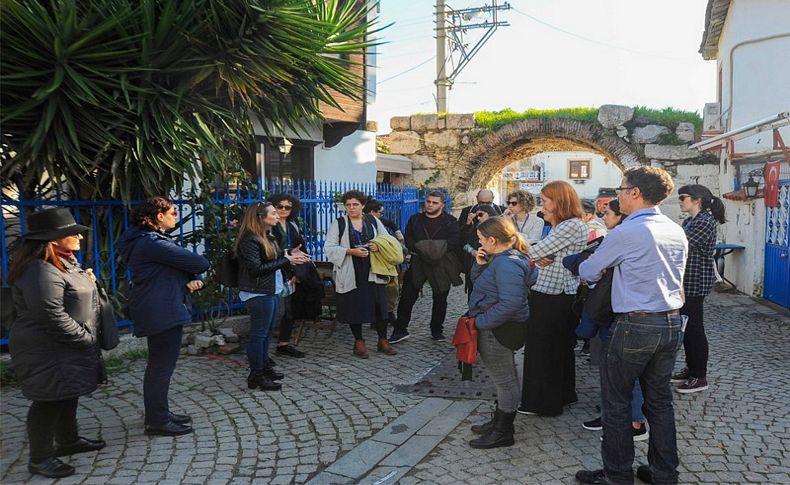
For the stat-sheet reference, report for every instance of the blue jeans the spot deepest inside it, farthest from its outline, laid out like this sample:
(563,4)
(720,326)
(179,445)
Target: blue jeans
(163,350)
(640,348)
(263,312)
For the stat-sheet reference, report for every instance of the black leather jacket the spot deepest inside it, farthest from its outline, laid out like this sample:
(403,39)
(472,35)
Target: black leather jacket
(256,271)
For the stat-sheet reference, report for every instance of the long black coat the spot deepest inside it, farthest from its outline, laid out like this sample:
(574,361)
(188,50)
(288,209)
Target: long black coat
(53,341)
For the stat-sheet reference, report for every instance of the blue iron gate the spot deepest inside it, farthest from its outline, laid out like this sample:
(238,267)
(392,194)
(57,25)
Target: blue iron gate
(776,287)
(109,218)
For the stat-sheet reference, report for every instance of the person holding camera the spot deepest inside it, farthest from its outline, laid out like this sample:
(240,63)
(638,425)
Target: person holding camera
(472,242)
(361,294)
(468,217)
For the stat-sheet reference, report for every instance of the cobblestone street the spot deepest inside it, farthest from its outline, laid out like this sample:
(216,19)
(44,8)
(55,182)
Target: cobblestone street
(334,406)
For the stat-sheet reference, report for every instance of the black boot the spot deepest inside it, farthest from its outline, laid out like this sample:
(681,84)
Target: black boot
(500,435)
(272,374)
(258,379)
(486,427)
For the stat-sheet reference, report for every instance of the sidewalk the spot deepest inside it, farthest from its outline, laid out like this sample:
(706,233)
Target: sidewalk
(338,419)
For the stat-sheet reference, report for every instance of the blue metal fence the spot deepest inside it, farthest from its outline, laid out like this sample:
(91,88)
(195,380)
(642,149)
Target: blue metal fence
(109,218)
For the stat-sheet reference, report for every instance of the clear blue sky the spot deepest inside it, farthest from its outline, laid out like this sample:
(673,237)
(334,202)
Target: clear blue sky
(555,54)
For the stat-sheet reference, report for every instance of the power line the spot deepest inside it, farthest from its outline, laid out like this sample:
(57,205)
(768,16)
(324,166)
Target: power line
(594,41)
(426,61)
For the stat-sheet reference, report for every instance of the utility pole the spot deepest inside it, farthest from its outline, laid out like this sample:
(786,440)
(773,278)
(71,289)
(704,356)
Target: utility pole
(441,57)
(453,25)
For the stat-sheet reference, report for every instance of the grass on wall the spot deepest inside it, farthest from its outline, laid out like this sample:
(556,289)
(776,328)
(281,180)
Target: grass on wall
(669,117)
(492,120)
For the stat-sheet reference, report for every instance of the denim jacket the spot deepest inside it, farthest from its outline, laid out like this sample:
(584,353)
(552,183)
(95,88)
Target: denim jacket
(501,289)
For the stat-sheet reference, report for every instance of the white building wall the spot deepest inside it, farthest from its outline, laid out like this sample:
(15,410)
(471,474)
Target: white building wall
(555,165)
(753,51)
(351,160)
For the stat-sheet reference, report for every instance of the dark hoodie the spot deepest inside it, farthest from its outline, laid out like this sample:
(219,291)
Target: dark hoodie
(158,298)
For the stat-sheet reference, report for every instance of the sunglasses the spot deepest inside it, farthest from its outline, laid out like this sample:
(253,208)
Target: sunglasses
(285,207)
(512,202)
(480,215)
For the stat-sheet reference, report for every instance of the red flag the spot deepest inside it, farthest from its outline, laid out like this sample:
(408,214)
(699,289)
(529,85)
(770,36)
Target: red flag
(771,191)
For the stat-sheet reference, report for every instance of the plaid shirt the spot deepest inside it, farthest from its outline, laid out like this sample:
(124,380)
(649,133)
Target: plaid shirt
(569,237)
(701,234)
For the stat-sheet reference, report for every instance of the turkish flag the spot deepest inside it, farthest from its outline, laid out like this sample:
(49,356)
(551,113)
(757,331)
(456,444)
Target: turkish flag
(771,191)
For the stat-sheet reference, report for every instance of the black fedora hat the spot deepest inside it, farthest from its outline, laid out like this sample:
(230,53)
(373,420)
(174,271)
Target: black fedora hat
(52,224)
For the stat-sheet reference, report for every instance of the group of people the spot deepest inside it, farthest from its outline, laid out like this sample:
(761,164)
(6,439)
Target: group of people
(641,280)
(522,273)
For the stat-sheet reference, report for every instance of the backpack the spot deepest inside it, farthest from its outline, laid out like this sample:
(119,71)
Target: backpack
(228,274)
(341,224)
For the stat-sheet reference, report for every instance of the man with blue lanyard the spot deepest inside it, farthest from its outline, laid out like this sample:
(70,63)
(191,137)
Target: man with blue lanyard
(647,253)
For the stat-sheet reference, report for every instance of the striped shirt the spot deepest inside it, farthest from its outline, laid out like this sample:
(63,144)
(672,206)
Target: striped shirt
(569,237)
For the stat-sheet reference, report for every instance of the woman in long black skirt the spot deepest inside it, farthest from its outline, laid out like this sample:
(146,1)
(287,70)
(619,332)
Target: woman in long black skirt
(361,294)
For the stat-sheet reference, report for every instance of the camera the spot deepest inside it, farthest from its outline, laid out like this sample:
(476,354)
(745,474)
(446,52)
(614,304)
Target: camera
(472,251)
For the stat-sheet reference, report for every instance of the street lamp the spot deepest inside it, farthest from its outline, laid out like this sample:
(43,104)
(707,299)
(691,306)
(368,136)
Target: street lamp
(750,187)
(285,147)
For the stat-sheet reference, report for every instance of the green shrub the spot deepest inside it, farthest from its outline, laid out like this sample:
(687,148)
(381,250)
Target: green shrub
(494,119)
(668,116)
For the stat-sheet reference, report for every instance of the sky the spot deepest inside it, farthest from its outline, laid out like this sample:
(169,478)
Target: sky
(554,54)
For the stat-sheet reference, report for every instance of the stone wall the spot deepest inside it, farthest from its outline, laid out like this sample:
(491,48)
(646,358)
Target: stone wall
(453,152)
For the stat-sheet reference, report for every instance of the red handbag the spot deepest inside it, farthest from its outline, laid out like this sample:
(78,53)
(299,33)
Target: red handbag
(465,340)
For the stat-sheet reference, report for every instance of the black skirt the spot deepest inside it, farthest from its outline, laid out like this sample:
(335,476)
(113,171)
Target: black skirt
(365,304)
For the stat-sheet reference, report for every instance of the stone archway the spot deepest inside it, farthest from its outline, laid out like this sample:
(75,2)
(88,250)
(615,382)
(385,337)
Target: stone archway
(453,152)
(488,155)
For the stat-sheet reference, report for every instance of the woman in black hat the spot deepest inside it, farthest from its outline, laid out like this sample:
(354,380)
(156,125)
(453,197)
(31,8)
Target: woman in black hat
(53,341)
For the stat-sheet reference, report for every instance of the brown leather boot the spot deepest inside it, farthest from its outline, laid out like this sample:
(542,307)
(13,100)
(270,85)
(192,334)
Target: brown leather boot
(360,350)
(384,346)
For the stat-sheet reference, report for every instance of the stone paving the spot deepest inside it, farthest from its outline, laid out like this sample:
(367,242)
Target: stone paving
(334,407)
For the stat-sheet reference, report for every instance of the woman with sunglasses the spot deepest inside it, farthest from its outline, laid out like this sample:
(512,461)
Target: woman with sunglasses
(519,209)
(288,236)
(163,276)
(262,264)
(705,213)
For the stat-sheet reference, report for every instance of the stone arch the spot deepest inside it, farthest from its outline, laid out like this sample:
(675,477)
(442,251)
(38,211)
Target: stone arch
(486,156)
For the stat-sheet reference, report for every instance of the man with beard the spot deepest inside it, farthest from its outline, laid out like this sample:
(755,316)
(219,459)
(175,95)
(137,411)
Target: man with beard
(433,239)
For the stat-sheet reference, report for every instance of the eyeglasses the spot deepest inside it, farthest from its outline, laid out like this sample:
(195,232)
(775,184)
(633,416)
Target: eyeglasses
(620,189)
(512,202)
(683,197)
(285,207)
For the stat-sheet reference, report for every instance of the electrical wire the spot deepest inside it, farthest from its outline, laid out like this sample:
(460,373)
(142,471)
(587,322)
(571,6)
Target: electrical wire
(594,41)
(426,61)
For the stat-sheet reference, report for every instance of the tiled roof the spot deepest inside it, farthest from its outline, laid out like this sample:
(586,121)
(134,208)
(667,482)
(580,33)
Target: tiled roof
(715,15)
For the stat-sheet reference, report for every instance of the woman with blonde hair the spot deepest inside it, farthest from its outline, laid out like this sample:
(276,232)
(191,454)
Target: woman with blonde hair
(549,362)
(519,207)
(261,265)
(502,275)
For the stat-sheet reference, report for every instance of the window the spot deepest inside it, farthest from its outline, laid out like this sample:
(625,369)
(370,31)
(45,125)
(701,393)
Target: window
(578,169)
(297,164)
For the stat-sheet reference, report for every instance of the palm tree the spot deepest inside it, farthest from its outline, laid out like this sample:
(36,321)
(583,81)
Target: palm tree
(136,95)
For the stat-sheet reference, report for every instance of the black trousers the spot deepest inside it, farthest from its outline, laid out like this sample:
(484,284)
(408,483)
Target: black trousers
(549,360)
(695,343)
(163,350)
(409,296)
(47,420)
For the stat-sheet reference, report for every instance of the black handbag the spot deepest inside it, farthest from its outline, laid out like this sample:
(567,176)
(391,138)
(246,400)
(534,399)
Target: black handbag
(511,334)
(598,304)
(228,274)
(108,332)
